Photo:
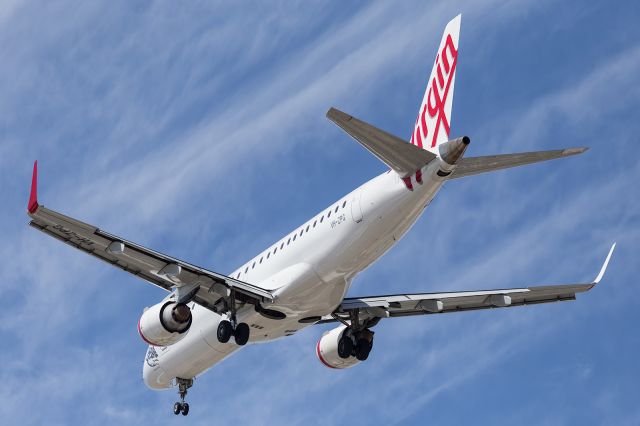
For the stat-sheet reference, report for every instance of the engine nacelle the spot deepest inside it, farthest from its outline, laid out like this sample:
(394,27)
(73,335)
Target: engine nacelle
(327,350)
(165,323)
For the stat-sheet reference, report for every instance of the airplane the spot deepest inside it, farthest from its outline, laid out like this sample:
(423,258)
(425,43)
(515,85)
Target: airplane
(302,279)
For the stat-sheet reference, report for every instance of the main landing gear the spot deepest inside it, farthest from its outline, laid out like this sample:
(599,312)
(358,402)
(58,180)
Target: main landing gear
(181,406)
(230,327)
(358,344)
(357,338)
(240,333)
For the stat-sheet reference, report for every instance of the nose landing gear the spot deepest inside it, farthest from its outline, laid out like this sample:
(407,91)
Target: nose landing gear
(181,406)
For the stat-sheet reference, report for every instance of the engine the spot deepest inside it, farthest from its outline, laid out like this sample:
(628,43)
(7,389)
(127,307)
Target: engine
(165,323)
(331,351)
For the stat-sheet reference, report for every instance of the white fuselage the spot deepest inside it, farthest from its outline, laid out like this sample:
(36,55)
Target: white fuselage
(309,271)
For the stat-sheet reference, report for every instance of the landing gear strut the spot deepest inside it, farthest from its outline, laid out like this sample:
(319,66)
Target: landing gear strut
(230,327)
(356,340)
(181,406)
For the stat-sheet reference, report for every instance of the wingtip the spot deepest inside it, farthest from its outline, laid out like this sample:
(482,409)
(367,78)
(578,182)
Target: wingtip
(604,266)
(33,197)
(334,114)
(575,151)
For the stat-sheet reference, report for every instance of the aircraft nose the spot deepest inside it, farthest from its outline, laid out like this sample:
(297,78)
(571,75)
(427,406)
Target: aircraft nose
(152,373)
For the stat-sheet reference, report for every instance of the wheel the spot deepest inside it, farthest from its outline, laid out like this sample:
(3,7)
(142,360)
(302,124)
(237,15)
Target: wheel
(225,330)
(185,409)
(177,407)
(363,347)
(345,347)
(241,334)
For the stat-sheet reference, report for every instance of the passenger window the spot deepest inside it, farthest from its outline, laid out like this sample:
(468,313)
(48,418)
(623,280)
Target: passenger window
(246,269)
(314,223)
(275,250)
(329,214)
(337,209)
(288,241)
(254,265)
(307,230)
(238,276)
(294,237)
(301,232)
(260,260)
(281,245)
(344,204)
(321,218)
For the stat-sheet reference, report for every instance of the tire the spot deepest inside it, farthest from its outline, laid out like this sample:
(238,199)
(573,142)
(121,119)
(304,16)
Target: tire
(177,408)
(241,334)
(363,348)
(225,330)
(345,347)
(185,409)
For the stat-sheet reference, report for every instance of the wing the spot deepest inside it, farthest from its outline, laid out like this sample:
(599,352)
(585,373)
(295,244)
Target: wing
(371,309)
(190,282)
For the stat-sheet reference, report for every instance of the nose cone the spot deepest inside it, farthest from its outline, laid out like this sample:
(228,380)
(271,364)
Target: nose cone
(152,373)
(452,151)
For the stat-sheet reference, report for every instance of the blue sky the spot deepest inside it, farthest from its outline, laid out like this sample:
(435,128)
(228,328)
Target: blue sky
(199,130)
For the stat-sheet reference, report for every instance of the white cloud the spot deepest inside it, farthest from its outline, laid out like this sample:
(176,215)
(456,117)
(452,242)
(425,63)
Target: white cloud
(66,332)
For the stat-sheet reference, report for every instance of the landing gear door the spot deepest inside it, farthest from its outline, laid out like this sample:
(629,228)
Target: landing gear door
(356,208)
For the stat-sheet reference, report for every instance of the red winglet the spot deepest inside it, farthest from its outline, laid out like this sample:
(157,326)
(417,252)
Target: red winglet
(33,198)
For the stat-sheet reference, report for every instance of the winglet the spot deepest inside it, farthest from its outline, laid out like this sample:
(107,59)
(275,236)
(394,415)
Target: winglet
(33,198)
(604,266)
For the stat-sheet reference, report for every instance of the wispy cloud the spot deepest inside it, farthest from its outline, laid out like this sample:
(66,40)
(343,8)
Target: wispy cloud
(191,113)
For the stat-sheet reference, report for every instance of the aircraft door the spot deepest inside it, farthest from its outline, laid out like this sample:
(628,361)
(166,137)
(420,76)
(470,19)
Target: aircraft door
(356,208)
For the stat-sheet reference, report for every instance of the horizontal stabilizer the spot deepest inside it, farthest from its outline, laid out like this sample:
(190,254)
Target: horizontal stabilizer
(396,153)
(476,165)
